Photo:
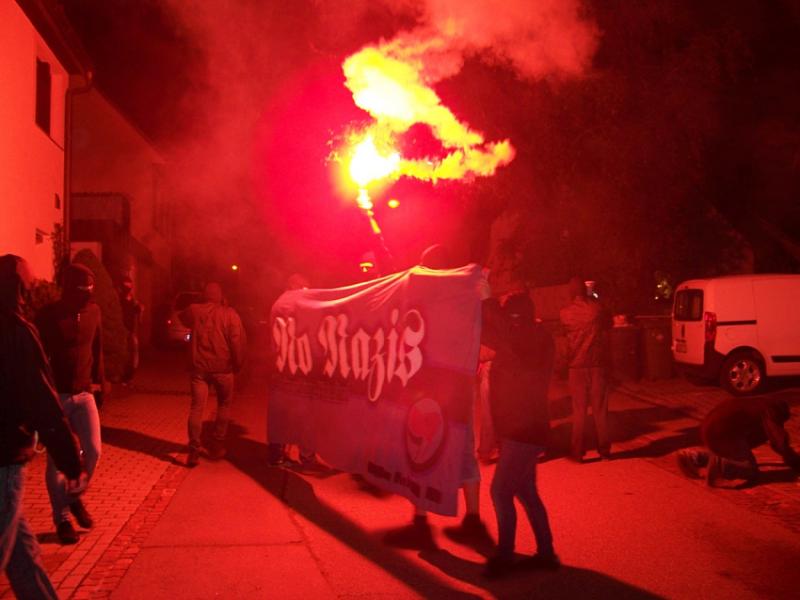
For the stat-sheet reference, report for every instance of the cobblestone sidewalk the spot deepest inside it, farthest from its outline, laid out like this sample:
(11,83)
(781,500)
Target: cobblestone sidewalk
(140,468)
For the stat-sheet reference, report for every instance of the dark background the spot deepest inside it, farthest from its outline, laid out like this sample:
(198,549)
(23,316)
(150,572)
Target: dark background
(676,154)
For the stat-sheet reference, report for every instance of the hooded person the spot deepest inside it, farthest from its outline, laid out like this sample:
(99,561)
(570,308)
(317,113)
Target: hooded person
(519,382)
(217,349)
(72,338)
(28,403)
(132,311)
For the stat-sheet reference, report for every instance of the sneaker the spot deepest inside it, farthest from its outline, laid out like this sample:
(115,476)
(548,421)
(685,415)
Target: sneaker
(471,531)
(82,516)
(418,535)
(311,463)
(497,567)
(66,533)
(540,562)
(687,465)
(193,459)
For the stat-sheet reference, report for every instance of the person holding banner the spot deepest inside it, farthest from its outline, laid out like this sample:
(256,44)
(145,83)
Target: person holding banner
(520,378)
(471,530)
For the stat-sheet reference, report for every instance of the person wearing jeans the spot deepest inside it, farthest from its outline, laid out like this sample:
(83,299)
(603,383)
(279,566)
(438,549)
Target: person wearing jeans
(520,378)
(217,353)
(515,477)
(223,386)
(585,324)
(28,403)
(84,419)
(72,337)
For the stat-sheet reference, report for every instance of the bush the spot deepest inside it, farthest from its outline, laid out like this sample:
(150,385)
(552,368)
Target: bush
(115,347)
(43,293)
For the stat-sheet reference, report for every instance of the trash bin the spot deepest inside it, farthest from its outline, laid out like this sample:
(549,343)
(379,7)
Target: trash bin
(656,346)
(624,350)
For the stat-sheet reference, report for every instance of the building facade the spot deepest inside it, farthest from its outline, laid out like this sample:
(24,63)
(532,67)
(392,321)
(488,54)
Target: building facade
(36,61)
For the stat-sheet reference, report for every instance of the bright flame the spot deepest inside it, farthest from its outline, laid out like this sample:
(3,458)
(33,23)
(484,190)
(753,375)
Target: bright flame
(368,165)
(388,82)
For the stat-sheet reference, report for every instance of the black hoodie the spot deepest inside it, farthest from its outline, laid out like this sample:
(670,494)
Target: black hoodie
(28,400)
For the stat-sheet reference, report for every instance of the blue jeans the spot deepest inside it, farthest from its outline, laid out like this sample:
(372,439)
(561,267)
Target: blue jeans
(515,476)
(81,412)
(19,552)
(223,385)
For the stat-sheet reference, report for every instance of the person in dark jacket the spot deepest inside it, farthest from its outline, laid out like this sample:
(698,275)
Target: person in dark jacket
(730,432)
(585,326)
(72,338)
(518,387)
(132,311)
(217,353)
(29,405)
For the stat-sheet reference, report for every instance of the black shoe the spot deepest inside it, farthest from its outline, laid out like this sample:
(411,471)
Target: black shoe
(497,567)
(217,451)
(418,535)
(540,562)
(66,533)
(605,455)
(193,459)
(471,531)
(687,465)
(82,516)
(575,458)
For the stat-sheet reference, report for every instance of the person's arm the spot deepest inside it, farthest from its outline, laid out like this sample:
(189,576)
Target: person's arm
(44,411)
(779,440)
(491,315)
(237,340)
(98,365)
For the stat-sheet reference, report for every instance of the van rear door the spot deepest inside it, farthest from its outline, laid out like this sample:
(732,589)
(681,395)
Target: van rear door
(779,323)
(688,328)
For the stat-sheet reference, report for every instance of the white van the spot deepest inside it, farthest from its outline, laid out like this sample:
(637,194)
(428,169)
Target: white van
(739,329)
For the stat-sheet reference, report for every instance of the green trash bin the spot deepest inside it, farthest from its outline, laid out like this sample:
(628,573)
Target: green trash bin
(656,346)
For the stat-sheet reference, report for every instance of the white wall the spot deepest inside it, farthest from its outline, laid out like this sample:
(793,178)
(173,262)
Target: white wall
(31,162)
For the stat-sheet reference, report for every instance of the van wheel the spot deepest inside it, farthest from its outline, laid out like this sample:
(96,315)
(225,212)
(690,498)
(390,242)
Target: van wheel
(742,374)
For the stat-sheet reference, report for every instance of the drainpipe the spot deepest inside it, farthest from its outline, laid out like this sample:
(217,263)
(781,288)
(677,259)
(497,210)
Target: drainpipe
(71,92)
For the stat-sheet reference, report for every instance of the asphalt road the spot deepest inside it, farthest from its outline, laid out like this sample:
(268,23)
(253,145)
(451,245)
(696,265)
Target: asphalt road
(628,528)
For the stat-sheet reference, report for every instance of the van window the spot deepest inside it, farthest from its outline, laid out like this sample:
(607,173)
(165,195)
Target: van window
(689,305)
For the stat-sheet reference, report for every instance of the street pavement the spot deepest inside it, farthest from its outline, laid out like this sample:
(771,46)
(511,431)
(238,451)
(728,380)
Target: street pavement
(632,527)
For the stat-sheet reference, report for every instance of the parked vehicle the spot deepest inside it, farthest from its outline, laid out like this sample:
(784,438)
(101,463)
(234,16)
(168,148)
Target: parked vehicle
(739,329)
(175,331)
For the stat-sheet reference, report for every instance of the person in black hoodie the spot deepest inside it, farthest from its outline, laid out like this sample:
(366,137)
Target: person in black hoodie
(730,432)
(73,341)
(29,405)
(519,382)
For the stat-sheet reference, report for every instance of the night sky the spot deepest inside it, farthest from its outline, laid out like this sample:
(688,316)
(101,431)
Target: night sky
(674,149)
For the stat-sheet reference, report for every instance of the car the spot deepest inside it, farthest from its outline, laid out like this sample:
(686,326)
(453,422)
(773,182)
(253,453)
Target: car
(738,329)
(175,331)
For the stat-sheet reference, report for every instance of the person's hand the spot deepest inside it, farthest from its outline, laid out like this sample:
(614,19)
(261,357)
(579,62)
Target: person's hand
(76,487)
(484,289)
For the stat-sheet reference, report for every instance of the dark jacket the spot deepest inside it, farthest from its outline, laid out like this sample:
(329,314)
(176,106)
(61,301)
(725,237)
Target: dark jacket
(520,375)
(73,341)
(28,400)
(751,421)
(218,338)
(586,328)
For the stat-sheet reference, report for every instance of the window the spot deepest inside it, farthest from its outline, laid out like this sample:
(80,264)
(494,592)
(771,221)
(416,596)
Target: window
(689,305)
(43,93)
